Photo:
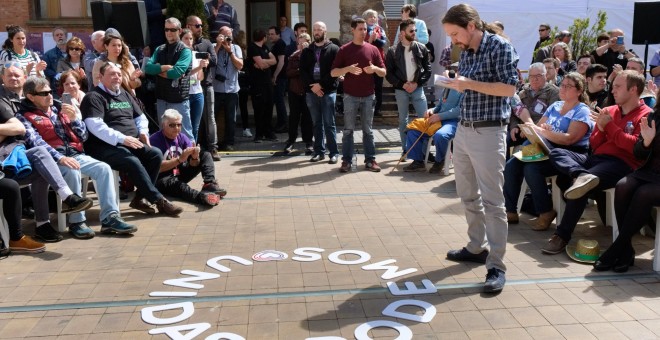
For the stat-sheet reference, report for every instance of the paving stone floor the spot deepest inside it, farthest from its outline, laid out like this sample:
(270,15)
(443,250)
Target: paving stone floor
(99,288)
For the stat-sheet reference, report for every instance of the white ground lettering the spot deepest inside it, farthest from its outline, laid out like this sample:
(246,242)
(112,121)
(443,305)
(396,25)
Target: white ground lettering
(305,254)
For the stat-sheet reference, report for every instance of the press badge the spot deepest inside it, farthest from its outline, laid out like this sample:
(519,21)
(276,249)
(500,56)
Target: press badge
(539,106)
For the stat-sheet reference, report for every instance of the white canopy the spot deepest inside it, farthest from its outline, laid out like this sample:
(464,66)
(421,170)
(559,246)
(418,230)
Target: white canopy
(521,20)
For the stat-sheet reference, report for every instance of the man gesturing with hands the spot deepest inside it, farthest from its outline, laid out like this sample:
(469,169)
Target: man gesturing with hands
(358,61)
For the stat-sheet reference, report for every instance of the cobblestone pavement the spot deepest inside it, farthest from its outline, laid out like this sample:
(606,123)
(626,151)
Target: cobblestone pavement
(100,288)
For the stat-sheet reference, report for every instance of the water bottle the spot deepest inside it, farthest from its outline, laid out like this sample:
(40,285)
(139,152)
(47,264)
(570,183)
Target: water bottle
(354,164)
(629,128)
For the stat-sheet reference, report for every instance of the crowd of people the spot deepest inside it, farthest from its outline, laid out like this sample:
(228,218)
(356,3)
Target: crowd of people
(161,125)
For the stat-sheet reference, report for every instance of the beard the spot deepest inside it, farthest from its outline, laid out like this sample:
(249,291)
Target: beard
(319,39)
(410,37)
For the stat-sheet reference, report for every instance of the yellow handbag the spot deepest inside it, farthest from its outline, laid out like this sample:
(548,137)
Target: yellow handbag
(422,125)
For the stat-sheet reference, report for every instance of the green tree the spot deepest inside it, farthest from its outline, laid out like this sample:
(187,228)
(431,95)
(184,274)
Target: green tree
(583,38)
(181,9)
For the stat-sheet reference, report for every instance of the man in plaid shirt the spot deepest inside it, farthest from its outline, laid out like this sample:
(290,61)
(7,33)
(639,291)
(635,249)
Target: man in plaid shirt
(487,74)
(59,128)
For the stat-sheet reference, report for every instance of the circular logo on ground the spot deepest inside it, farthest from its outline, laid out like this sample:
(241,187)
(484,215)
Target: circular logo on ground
(269,255)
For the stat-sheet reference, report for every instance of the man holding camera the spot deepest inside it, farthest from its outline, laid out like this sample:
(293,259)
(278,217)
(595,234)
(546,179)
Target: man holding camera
(225,84)
(613,55)
(201,45)
(172,63)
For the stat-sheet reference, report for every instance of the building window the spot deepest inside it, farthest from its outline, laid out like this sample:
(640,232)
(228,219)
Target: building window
(63,9)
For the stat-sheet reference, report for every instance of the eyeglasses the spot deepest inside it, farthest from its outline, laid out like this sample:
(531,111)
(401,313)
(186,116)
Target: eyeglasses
(42,93)
(567,86)
(171,29)
(174,125)
(196,25)
(536,76)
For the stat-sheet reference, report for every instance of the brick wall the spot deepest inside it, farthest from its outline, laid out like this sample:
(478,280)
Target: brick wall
(392,29)
(14,12)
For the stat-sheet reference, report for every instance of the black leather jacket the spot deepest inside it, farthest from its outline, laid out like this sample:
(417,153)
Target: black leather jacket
(396,65)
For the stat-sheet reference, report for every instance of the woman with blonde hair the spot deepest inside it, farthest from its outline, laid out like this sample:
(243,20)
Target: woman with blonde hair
(563,54)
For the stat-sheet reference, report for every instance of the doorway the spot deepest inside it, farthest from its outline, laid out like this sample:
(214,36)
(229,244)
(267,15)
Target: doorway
(265,13)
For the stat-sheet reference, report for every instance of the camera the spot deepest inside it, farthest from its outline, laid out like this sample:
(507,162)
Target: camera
(228,39)
(202,55)
(220,77)
(619,40)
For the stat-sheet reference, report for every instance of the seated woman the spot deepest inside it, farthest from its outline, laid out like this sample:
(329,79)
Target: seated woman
(10,193)
(70,84)
(447,112)
(565,124)
(566,63)
(634,197)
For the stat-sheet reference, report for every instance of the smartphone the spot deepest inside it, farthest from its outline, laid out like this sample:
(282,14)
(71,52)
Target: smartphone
(202,55)
(619,40)
(66,98)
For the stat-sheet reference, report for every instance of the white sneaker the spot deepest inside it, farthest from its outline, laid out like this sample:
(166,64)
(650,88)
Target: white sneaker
(247,133)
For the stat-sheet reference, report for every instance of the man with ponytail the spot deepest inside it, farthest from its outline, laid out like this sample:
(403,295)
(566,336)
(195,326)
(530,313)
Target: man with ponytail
(487,75)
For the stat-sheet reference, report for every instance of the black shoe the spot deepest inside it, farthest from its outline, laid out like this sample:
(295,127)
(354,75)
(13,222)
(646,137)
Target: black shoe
(464,255)
(281,129)
(272,137)
(317,158)
(215,155)
(333,159)
(27,213)
(437,167)
(141,204)
(624,261)
(415,166)
(309,150)
(47,234)
(75,203)
(495,280)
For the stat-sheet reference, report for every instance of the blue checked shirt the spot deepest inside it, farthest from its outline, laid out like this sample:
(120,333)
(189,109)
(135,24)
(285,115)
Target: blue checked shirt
(494,62)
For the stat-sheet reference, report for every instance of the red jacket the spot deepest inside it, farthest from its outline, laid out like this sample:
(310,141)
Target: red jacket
(614,141)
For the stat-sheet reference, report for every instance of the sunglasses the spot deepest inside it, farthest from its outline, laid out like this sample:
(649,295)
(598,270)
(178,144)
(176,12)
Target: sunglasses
(75,49)
(171,29)
(42,93)
(196,25)
(174,125)
(12,64)
(412,31)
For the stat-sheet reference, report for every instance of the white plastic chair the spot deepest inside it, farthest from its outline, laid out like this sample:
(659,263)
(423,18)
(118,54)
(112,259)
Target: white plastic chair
(61,218)
(448,161)
(557,201)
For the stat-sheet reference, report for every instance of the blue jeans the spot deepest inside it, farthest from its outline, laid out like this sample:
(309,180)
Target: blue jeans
(322,110)
(351,107)
(280,107)
(534,173)
(101,173)
(196,107)
(183,108)
(227,103)
(441,138)
(403,100)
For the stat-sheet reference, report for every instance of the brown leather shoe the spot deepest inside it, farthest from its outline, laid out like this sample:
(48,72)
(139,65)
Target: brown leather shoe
(544,220)
(167,208)
(512,218)
(141,204)
(555,245)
